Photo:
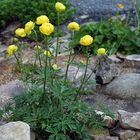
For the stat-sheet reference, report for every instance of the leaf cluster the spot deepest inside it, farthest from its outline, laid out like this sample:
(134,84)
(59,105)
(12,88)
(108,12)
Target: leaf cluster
(26,10)
(112,35)
(56,114)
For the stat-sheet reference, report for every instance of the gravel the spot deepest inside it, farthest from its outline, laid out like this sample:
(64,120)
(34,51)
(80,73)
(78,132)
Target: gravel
(99,9)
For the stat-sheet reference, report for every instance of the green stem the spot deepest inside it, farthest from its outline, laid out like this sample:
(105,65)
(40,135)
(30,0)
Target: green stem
(57,46)
(76,74)
(38,54)
(137,18)
(69,61)
(18,62)
(83,81)
(45,69)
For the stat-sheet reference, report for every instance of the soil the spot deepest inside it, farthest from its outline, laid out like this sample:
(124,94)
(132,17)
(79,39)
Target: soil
(7,73)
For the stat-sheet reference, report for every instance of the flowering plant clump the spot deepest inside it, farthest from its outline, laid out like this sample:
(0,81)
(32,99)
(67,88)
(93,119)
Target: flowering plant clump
(51,104)
(112,35)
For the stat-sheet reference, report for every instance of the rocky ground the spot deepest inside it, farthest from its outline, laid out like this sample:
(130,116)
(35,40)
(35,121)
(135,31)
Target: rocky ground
(98,9)
(118,90)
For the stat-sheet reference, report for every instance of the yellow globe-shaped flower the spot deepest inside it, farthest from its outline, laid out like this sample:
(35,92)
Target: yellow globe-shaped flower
(73,26)
(28,27)
(47,53)
(42,19)
(86,40)
(101,51)
(55,67)
(60,7)
(120,6)
(20,32)
(11,49)
(46,28)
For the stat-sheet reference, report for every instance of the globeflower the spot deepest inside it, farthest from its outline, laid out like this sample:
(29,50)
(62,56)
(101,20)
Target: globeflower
(86,40)
(60,7)
(28,27)
(73,26)
(11,49)
(20,32)
(42,19)
(47,53)
(37,48)
(55,67)
(101,51)
(120,6)
(46,28)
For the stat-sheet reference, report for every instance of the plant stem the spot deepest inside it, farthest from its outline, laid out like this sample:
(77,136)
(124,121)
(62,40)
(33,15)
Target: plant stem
(38,54)
(45,69)
(69,60)
(76,74)
(57,46)
(18,62)
(83,81)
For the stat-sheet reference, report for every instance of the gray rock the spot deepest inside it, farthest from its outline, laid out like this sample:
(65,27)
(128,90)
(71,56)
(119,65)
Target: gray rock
(8,32)
(15,131)
(125,134)
(114,59)
(133,61)
(106,70)
(129,120)
(64,45)
(13,88)
(10,90)
(126,86)
(99,8)
(138,134)
(120,56)
(75,76)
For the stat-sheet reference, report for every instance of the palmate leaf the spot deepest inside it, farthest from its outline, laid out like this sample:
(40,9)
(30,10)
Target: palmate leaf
(99,39)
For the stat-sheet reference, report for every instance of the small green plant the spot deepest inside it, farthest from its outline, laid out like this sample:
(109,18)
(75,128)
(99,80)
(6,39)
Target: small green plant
(113,35)
(25,10)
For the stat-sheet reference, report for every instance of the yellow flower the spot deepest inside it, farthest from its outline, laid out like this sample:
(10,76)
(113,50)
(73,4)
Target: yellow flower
(11,49)
(86,40)
(15,39)
(101,51)
(54,66)
(60,7)
(73,26)
(37,48)
(46,28)
(28,27)
(20,32)
(47,53)
(120,6)
(42,19)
